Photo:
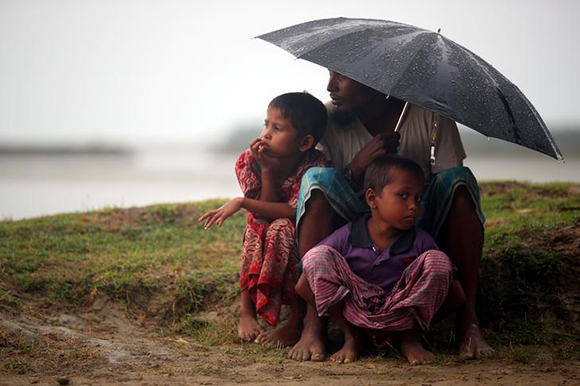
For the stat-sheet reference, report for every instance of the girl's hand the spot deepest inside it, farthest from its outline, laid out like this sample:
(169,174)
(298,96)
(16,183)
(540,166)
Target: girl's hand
(258,148)
(219,215)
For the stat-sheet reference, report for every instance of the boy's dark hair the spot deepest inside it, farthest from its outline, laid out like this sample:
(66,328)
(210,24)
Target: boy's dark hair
(378,174)
(307,114)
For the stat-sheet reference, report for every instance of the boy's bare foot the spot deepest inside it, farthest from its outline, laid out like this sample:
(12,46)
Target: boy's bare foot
(248,327)
(349,352)
(310,347)
(413,349)
(285,335)
(472,345)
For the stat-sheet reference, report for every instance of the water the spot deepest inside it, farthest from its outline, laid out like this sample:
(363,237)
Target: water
(42,185)
(38,185)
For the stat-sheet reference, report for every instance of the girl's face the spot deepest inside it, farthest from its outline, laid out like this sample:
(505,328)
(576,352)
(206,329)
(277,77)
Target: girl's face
(279,135)
(399,204)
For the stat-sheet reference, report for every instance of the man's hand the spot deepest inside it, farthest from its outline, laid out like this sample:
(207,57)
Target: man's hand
(378,146)
(391,141)
(218,216)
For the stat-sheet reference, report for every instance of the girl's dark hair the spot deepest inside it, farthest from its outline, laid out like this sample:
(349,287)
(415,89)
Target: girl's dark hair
(378,174)
(307,114)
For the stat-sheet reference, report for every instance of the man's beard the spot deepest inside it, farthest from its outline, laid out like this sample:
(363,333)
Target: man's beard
(343,116)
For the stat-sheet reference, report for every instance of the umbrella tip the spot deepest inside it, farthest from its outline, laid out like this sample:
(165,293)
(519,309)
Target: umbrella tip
(438,30)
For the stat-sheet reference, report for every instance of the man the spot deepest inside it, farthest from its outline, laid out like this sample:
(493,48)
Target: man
(361,128)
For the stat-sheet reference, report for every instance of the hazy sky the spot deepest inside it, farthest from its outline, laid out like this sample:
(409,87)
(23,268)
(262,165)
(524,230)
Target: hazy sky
(125,70)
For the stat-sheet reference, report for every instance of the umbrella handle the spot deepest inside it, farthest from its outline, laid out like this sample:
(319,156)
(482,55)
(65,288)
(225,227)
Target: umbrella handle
(401,116)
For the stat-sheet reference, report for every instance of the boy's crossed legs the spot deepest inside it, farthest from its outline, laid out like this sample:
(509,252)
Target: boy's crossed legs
(409,309)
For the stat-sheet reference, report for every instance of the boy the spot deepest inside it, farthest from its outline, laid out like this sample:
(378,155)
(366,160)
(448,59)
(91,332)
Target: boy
(380,275)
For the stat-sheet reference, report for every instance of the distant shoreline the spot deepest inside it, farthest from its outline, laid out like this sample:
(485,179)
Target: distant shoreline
(47,150)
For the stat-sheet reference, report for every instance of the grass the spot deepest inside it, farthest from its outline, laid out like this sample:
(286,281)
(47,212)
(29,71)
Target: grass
(122,253)
(160,263)
(529,255)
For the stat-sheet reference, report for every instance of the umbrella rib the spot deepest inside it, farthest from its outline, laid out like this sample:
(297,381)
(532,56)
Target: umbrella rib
(542,125)
(401,76)
(504,100)
(351,32)
(299,56)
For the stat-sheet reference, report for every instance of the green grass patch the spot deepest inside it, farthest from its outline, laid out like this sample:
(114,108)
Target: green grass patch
(118,252)
(158,259)
(207,332)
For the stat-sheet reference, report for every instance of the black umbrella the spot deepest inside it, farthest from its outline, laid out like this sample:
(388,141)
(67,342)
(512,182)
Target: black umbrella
(423,68)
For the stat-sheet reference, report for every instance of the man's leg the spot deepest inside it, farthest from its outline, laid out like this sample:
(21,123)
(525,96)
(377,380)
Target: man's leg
(289,332)
(461,237)
(316,223)
(311,343)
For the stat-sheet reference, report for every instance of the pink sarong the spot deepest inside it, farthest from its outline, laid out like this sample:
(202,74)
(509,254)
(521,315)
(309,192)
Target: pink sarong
(414,300)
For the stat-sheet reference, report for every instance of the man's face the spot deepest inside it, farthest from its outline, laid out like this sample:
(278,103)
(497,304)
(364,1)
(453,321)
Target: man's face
(348,95)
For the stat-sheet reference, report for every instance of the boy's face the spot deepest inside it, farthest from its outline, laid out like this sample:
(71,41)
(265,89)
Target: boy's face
(399,204)
(279,135)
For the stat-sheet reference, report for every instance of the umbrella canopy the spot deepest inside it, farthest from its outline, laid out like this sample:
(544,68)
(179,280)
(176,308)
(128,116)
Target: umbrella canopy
(423,68)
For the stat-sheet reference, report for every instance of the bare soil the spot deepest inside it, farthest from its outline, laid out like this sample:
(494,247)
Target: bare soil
(102,344)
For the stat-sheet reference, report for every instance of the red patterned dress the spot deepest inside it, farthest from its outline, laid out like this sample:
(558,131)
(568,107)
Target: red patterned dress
(270,254)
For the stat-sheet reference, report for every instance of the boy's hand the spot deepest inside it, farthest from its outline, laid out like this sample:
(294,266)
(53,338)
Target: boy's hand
(258,148)
(219,215)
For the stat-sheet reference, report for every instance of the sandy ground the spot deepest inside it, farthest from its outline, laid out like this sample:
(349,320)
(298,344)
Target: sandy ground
(101,345)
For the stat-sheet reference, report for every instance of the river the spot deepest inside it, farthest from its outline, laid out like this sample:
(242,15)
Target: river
(36,185)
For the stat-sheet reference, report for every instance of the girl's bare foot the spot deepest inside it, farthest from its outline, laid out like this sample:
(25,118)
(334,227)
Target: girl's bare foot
(248,327)
(310,347)
(285,335)
(349,352)
(413,350)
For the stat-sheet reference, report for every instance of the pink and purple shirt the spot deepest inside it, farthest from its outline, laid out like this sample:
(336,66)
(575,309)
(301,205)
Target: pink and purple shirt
(382,268)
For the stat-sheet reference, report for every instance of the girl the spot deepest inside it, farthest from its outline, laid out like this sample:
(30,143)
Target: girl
(269,173)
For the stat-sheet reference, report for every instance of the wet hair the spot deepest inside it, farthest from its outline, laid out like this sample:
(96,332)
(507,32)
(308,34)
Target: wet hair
(306,113)
(378,174)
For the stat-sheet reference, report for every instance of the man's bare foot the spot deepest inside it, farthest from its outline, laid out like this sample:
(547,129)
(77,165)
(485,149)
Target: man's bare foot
(285,335)
(349,352)
(248,327)
(413,349)
(310,347)
(472,345)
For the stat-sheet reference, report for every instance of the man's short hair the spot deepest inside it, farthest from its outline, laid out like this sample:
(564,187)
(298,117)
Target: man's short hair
(307,114)
(378,174)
